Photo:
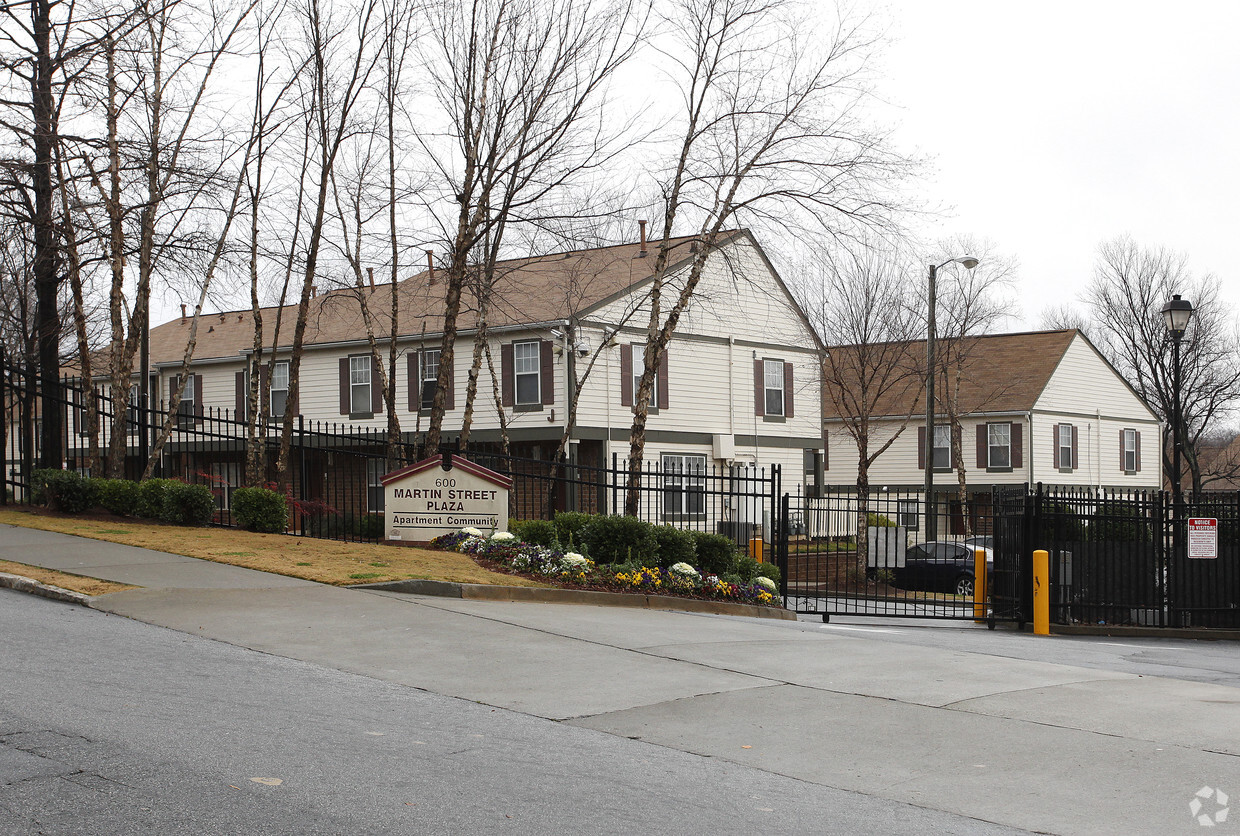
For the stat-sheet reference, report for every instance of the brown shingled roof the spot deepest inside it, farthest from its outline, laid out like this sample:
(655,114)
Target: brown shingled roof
(1000,372)
(527,290)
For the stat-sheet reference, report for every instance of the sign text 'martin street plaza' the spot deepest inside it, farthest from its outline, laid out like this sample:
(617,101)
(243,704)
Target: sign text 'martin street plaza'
(425,500)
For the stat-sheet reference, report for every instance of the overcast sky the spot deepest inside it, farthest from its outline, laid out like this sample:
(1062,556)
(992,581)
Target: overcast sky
(1056,125)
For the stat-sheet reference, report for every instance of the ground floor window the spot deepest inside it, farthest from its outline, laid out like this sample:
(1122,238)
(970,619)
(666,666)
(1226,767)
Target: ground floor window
(684,485)
(375,468)
(225,478)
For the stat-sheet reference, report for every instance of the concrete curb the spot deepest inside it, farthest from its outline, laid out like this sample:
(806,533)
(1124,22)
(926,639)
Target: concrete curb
(43,590)
(486,592)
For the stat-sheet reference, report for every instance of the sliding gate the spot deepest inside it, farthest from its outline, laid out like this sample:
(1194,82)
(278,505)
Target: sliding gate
(842,553)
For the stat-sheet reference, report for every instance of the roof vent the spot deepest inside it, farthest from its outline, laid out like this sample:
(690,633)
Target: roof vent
(430,266)
(182,313)
(642,252)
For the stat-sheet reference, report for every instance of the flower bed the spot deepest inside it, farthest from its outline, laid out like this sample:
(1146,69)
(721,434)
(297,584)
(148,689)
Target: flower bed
(576,570)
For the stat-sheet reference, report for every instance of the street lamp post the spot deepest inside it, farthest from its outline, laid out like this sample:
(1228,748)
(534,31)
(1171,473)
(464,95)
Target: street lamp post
(932,522)
(1176,315)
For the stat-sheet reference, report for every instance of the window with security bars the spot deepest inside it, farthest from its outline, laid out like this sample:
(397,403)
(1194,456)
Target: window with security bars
(186,406)
(684,486)
(375,468)
(359,384)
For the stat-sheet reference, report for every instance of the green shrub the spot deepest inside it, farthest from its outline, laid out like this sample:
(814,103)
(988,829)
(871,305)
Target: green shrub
(879,520)
(187,504)
(150,504)
(767,570)
(62,490)
(535,532)
(370,526)
(120,496)
(260,509)
(675,545)
(617,539)
(716,553)
(746,567)
(568,526)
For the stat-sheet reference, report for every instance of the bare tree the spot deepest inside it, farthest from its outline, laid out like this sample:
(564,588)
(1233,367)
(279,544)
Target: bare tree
(874,372)
(337,62)
(1130,286)
(520,83)
(769,127)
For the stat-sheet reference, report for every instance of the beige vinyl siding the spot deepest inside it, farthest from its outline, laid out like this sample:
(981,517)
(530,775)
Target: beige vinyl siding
(1084,383)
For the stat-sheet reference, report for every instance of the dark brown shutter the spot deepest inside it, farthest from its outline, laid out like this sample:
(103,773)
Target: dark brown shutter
(344,385)
(1138,435)
(983,446)
(921,447)
(1018,444)
(507,384)
(826,453)
(1074,448)
(664,400)
(546,374)
(1121,451)
(376,387)
(413,378)
(449,396)
(198,410)
(77,405)
(788,390)
(1055,447)
(759,389)
(239,413)
(626,374)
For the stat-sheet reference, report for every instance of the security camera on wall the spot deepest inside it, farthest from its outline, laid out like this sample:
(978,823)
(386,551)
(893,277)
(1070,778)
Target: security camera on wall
(582,348)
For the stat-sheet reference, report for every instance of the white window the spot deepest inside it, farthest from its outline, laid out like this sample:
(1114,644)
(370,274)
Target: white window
(684,486)
(429,375)
(908,513)
(279,388)
(225,478)
(375,468)
(773,383)
(359,384)
(1130,451)
(185,409)
(639,366)
(942,459)
(1065,446)
(133,413)
(999,442)
(526,361)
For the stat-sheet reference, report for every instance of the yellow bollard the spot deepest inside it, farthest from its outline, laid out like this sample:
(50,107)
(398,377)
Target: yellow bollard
(1041,593)
(979,585)
(755,548)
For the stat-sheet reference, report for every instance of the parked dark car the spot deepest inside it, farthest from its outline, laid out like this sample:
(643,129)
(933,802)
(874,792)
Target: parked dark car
(937,567)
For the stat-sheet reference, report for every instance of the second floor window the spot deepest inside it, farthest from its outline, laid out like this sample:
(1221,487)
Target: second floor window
(429,376)
(999,444)
(942,459)
(279,388)
(187,406)
(1064,443)
(526,359)
(773,383)
(1132,451)
(359,384)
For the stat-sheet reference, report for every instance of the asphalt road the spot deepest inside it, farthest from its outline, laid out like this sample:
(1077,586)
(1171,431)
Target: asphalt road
(112,726)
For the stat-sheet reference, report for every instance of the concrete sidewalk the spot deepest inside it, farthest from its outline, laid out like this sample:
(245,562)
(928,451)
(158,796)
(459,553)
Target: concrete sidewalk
(1034,745)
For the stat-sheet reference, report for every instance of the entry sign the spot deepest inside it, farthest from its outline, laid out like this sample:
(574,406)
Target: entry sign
(1203,537)
(425,500)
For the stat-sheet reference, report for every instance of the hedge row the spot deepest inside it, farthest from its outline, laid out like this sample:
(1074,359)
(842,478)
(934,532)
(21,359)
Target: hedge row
(613,539)
(158,499)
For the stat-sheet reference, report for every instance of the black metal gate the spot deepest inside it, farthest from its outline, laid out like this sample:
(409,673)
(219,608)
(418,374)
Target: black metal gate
(843,553)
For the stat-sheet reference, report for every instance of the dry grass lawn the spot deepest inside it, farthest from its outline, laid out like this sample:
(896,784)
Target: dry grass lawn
(64,580)
(325,561)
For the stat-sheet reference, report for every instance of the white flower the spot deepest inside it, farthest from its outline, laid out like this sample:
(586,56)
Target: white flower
(572,559)
(767,584)
(684,570)
(472,532)
(503,535)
